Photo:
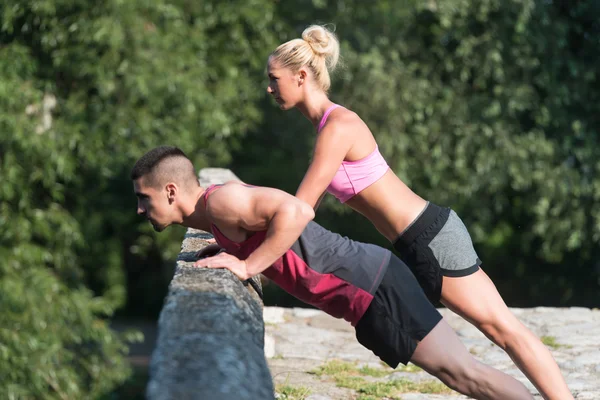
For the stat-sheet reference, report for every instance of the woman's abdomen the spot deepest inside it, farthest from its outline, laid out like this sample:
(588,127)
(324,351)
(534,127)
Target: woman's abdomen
(389,204)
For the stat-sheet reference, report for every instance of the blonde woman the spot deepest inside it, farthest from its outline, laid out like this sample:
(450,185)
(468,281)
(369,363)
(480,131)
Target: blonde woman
(431,240)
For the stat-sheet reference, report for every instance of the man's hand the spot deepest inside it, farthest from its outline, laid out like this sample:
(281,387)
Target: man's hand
(210,250)
(226,261)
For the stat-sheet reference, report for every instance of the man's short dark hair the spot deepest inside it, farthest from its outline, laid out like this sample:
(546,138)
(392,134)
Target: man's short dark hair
(166,164)
(149,161)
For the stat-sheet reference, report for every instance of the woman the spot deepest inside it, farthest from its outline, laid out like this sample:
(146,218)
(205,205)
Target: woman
(431,239)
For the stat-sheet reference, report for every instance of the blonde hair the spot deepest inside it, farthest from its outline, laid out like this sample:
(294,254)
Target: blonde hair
(318,49)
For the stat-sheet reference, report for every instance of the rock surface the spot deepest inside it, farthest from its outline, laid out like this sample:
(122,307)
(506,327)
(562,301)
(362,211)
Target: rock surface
(301,340)
(211,332)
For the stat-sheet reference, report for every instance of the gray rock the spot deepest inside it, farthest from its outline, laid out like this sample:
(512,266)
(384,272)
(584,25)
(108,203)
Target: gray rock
(305,312)
(575,330)
(211,332)
(269,346)
(273,315)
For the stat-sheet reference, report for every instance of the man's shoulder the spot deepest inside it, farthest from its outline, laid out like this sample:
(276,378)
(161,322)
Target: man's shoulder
(230,195)
(229,186)
(234,181)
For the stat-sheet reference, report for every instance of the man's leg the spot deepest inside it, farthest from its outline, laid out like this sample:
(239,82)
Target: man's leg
(443,355)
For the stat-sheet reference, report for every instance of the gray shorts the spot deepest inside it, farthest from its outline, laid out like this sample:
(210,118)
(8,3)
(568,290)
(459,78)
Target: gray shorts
(437,244)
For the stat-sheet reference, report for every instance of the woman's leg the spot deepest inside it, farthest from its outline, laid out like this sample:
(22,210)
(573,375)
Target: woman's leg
(476,299)
(443,355)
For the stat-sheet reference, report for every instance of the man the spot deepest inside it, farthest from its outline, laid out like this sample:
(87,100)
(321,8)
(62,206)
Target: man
(268,231)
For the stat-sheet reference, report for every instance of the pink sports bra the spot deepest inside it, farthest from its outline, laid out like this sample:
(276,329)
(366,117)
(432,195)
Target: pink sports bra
(353,177)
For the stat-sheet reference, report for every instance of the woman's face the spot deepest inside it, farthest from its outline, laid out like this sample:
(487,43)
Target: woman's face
(284,85)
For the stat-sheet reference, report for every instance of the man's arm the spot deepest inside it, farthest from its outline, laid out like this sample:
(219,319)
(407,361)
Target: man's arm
(287,219)
(253,209)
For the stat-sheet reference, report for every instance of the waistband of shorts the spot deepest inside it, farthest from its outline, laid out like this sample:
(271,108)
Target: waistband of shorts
(422,222)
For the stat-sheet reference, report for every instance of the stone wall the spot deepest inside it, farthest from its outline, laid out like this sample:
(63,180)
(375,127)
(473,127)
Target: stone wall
(211,332)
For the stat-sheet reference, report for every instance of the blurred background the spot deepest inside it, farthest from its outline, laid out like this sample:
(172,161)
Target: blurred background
(490,107)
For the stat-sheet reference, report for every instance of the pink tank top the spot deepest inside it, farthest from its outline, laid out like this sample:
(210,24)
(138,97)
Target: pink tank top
(353,177)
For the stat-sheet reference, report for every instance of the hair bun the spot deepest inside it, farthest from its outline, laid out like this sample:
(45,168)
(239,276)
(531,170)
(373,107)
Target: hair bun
(318,39)
(323,42)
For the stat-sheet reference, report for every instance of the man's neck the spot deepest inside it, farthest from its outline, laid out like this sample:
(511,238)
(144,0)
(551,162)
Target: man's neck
(196,216)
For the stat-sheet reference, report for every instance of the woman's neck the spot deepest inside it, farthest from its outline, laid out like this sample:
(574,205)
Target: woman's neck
(314,107)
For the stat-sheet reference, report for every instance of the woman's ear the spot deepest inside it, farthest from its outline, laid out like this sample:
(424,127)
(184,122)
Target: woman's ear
(302,76)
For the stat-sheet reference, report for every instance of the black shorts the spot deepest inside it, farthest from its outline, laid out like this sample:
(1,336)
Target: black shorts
(437,244)
(398,317)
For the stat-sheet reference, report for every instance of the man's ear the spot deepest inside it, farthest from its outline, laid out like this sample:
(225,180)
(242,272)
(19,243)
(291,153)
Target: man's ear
(172,190)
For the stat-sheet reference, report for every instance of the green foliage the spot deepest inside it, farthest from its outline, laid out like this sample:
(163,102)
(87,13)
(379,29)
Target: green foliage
(87,88)
(288,392)
(373,390)
(335,367)
(128,76)
(52,342)
(364,381)
(407,368)
(551,342)
(511,142)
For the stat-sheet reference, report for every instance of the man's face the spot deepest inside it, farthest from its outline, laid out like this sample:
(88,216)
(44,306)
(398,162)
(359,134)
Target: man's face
(153,204)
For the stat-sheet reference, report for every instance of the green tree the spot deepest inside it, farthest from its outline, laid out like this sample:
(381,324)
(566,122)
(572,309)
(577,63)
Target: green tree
(87,88)
(53,342)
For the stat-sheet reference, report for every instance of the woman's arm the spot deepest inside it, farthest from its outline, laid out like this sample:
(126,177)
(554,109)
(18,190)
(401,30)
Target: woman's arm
(331,147)
(319,201)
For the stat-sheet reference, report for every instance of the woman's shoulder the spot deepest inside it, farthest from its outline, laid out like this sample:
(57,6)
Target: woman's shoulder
(347,120)
(344,116)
